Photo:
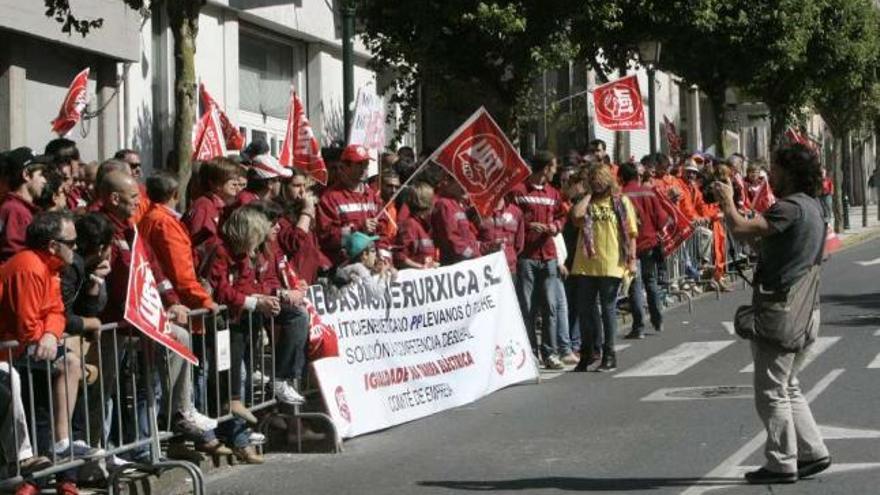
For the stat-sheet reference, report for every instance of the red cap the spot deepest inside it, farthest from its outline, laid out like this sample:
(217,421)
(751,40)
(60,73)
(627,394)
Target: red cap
(355,153)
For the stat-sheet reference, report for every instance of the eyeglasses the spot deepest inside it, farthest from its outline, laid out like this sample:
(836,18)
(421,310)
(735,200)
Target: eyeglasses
(71,243)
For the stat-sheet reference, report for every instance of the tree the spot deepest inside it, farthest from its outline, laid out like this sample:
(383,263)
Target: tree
(183,17)
(844,55)
(469,52)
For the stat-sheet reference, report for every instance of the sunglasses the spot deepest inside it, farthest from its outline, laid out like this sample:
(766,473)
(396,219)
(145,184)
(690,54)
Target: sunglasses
(71,243)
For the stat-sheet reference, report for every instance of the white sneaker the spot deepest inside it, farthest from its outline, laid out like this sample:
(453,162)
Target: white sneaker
(198,419)
(256,438)
(259,378)
(286,394)
(77,448)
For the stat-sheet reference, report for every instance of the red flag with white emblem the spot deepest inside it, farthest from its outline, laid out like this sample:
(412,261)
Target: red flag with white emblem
(143,304)
(619,105)
(481,158)
(74,104)
(208,142)
(301,149)
(231,135)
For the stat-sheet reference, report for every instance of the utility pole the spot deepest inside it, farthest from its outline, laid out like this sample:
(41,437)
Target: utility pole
(348,13)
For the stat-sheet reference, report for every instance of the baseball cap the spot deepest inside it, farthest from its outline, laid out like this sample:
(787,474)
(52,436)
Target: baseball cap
(356,243)
(266,167)
(355,153)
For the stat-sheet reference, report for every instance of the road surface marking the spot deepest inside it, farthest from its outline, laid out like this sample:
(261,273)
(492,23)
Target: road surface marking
(875,261)
(875,363)
(841,433)
(877,333)
(729,467)
(728,325)
(677,359)
(835,468)
(821,345)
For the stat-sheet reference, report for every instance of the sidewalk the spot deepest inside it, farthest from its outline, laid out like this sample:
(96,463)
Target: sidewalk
(856,232)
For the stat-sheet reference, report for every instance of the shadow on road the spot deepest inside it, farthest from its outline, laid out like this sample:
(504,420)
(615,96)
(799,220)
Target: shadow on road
(862,302)
(581,484)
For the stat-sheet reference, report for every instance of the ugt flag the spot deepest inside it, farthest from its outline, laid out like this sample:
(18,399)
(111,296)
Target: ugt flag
(619,105)
(74,103)
(481,158)
(301,149)
(208,142)
(231,135)
(677,229)
(143,305)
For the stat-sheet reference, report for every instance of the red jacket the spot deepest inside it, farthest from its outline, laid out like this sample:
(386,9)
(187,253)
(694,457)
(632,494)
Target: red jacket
(120,263)
(163,231)
(414,242)
(234,280)
(543,205)
(506,227)
(341,211)
(454,234)
(302,251)
(203,218)
(652,216)
(31,304)
(15,215)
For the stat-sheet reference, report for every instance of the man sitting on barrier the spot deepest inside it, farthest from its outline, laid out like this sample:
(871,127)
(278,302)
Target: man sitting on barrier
(32,310)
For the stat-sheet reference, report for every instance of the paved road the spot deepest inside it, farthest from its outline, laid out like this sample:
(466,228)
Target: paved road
(603,433)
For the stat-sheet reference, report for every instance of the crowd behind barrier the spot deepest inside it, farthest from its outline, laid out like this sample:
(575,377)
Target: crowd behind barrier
(233,269)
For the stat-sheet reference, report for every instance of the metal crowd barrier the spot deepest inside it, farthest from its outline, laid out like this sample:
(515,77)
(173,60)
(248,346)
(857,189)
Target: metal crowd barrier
(114,408)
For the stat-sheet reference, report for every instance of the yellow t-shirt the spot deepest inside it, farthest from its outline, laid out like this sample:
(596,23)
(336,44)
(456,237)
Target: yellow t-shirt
(607,262)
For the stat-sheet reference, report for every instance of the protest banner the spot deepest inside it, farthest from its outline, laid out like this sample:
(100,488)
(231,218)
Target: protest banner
(368,122)
(619,105)
(434,340)
(143,304)
(482,160)
(208,142)
(301,149)
(74,103)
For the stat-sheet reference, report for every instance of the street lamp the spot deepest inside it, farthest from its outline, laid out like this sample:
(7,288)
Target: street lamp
(649,54)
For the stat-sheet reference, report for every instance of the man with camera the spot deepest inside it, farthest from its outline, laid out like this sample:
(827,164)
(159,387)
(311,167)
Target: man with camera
(783,320)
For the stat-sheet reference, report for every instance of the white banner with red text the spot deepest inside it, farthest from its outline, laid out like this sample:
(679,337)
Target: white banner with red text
(429,341)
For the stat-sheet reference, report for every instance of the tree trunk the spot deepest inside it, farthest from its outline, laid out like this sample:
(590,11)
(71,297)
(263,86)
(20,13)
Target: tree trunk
(778,123)
(836,177)
(716,98)
(183,17)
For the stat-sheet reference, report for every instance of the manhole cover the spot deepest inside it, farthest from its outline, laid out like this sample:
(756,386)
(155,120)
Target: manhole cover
(718,392)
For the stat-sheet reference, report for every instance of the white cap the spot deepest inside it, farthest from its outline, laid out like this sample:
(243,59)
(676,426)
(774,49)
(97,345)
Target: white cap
(267,167)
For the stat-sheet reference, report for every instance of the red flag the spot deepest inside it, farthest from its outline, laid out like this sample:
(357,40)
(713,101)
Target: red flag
(143,305)
(677,230)
(301,149)
(208,142)
(234,139)
(761,198)
(672,137)
(323,341)
(481,158)
(619,105)
(74,103)
(832,241)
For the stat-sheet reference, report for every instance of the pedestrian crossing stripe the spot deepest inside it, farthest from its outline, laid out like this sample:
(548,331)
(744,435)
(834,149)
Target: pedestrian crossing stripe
(677,359)
(875,363)
(821,345)
(877,333)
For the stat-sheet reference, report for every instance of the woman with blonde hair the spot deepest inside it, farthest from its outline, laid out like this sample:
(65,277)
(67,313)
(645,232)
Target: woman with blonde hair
(606,250)
(236,278)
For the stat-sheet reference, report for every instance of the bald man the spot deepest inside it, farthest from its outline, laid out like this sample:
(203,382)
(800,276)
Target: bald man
(115,167)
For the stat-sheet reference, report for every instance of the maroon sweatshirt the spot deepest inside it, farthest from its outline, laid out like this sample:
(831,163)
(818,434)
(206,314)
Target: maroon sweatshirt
(543,205)
(414,242)
(454,234)
(652,216)
(506,227)
(341,211)
(15,215)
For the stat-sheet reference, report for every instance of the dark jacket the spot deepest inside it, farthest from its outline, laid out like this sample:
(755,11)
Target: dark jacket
(78,303)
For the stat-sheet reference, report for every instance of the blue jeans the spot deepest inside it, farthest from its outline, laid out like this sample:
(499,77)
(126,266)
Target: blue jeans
(597,308)
(645,283)
(563,339)
(574,325)
(540,275)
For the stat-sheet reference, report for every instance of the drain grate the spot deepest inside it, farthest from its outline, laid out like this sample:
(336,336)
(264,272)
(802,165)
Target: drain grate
(716,392)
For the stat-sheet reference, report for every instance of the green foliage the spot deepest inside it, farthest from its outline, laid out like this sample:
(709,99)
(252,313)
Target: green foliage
(60,11)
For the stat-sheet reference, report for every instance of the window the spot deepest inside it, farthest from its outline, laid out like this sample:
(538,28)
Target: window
(267,69)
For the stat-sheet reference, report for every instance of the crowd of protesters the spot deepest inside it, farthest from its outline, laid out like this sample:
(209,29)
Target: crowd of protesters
(253,235)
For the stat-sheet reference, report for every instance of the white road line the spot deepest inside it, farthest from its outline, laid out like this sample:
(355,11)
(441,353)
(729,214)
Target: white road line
(877,333)
(728,325)
(821,345)
(729,467)
(841,433)
(875,261)
(875,363)
(677,359)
